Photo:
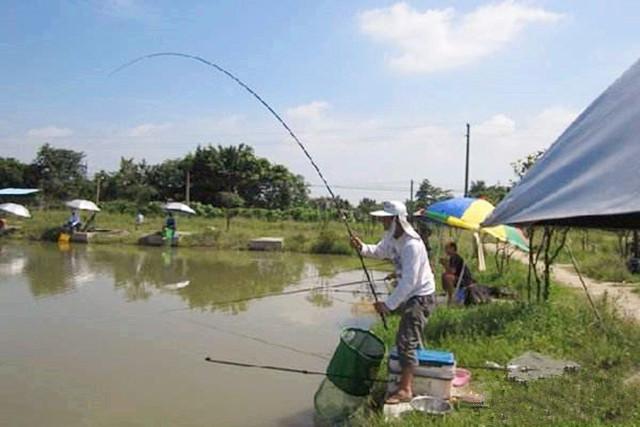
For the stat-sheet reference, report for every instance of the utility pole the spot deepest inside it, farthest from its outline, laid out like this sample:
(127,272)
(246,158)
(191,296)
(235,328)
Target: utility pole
(411,194)
(187,189)
(411,207)
(466,168)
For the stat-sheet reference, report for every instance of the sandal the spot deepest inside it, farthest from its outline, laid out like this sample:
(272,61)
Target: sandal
(396,398)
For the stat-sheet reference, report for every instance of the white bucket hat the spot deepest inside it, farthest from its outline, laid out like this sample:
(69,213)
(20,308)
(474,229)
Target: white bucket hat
(391,208)
(396,208)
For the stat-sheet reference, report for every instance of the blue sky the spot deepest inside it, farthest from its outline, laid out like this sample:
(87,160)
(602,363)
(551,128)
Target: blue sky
(380,91)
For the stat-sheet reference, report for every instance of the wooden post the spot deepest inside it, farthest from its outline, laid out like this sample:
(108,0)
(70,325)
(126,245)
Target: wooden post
(99,180)
(187,189)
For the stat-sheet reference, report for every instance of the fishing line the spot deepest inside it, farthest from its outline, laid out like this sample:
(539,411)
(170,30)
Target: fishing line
(290,370)
(256,339)
(343,216)
(274,294)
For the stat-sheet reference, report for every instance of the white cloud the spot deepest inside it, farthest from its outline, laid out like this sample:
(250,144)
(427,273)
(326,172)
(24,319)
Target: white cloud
(49,132)
(500,140)
(148,129)
(313,110)
(499,125)
(440,39)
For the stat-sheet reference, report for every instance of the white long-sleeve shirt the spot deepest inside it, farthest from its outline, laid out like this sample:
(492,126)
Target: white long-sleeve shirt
(411,260)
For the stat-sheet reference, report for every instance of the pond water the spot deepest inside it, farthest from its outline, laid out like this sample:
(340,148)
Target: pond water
(104,336)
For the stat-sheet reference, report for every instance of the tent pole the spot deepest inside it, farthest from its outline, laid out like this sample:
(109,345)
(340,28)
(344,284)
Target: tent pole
(584,285)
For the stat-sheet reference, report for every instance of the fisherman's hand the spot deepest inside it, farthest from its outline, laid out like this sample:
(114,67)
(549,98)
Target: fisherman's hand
(356,243)
(381,307)
(390,276)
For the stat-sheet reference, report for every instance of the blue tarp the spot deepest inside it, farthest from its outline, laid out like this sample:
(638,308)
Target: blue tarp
(590,177)
(17,191)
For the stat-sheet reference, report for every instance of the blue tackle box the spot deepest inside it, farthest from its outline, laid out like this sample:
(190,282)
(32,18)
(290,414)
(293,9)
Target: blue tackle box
(429,357)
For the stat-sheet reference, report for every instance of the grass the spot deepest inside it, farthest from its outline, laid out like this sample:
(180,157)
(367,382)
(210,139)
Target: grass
(598,256)
(308,237)
(563,328)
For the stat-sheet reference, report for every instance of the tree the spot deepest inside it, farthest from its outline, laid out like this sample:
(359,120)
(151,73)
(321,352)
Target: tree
(428,193)
(365,206)
(327,203)
(60,173)
(169,178)
(477,189)
(229,202)
(12,172)
(522,166)
(130,182)
(238,170)
(493,193)
(226,169)
(280,189)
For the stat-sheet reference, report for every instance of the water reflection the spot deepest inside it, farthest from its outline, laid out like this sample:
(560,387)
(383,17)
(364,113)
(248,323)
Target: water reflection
(12,261)
(52,272)
(204,279)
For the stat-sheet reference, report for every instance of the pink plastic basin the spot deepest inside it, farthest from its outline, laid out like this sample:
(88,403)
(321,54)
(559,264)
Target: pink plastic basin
(461,378)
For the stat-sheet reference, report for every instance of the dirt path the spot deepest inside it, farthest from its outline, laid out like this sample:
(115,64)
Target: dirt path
(622,294)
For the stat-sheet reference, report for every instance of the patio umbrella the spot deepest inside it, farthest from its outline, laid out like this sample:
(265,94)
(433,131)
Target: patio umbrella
(508,234)
(15,209)
(468,213)
(459,212)
(178,207)
(83,205)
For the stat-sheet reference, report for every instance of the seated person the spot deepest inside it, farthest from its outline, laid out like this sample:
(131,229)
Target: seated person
(455,267)
(139,219)
(3,224)
(169,226)
(73,223)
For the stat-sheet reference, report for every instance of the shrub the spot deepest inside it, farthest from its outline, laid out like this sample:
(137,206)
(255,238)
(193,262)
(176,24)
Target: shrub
(329,242)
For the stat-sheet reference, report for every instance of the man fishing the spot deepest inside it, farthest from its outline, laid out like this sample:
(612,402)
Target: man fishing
(414,295)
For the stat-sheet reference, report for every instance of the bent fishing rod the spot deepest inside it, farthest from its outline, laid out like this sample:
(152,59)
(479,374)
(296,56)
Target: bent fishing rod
(341,212)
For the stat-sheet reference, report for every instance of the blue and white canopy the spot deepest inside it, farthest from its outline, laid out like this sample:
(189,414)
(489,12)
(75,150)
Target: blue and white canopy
(17,191)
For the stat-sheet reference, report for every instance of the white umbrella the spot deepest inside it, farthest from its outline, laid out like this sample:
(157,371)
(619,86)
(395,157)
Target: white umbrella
(179,207)
(83,205)
(17,210)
